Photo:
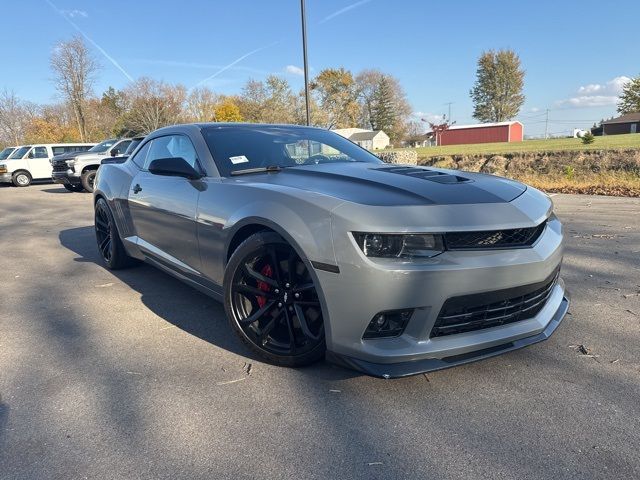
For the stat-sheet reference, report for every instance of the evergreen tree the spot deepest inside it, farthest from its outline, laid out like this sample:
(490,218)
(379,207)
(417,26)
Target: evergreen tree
(383,110)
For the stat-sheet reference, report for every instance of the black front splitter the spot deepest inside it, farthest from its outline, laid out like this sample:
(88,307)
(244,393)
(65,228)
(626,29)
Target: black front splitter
(406,369)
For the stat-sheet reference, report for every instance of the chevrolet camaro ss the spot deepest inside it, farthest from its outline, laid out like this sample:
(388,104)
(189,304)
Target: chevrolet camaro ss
(317,248)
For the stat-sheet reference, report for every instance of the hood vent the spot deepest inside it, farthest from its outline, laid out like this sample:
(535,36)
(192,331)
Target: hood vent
(426,174)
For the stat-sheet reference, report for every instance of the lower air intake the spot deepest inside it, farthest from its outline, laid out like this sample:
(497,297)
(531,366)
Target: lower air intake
(484,310)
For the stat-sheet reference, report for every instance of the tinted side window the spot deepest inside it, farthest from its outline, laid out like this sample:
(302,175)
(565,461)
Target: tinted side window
(122,146)
(58,150)
(172,146)
(141,155)
(39,152)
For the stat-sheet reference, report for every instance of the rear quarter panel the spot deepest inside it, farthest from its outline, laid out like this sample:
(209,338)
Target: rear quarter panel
(112,183)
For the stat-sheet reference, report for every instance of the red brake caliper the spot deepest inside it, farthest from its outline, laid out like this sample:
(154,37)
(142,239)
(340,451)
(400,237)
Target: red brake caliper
(267,272)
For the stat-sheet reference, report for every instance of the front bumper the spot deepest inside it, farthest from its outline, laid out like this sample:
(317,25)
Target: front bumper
(365,287)
(66,178)
(5,177)
(405,369)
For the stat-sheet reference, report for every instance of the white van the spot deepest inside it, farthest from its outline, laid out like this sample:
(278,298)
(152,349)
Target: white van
(33,162)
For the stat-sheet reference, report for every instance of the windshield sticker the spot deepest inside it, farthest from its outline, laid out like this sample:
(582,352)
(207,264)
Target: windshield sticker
(239,159)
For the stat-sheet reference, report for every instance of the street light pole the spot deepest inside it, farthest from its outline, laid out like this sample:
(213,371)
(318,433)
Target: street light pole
(306,66)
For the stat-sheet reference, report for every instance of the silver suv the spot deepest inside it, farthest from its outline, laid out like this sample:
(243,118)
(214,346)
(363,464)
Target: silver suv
(77,171)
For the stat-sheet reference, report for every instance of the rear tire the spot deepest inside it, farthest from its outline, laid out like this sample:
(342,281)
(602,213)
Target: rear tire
(108,239)
(73,188)
(87,179)
(272,302)
(21,178)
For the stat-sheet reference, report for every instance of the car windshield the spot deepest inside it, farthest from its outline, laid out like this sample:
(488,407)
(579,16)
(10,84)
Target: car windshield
(237,148)
(19,153)
(132,146)
(6,152)
(103,146)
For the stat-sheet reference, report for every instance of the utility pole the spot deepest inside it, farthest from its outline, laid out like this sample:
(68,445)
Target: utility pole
(449,104)
(306,66)
(546,126)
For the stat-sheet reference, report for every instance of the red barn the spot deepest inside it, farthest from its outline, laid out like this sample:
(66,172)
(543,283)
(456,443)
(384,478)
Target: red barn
(482,133)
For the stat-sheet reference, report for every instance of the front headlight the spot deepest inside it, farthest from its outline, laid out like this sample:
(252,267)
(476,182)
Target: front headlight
(400,245)
(3,169)
(71,162)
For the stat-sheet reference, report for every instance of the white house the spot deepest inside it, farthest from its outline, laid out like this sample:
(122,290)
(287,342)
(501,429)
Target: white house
(369,139)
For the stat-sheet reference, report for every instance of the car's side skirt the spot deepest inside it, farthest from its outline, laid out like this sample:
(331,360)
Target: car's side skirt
(176,268)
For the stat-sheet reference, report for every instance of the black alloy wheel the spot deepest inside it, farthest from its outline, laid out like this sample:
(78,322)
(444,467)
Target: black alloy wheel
(108,240)
(104,235)
(272,302)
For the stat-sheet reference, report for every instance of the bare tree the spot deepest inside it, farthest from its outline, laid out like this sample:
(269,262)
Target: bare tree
(152,104)
(201,105)
(15,115)
(74,71)
(268,101)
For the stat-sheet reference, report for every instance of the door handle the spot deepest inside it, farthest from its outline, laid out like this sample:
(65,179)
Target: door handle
(137,188)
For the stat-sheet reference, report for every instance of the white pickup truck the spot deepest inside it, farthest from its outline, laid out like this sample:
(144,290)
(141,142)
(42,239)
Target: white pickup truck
(76,172)
(33,162)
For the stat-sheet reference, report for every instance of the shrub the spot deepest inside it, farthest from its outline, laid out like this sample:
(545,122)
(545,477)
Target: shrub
(569,172)
(588,138)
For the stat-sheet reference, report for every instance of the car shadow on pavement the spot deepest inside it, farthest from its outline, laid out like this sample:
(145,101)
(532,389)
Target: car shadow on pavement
(179,304)
(4,420)
(56,190)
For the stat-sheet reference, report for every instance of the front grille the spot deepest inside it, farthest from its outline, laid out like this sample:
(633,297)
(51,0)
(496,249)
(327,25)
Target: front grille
(512,238)
(60,167)
(484,310)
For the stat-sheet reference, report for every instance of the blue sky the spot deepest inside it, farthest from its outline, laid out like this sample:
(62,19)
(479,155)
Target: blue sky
(576,53)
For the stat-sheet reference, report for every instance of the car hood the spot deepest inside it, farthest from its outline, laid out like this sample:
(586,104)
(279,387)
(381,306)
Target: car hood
(389,185)
(70,155)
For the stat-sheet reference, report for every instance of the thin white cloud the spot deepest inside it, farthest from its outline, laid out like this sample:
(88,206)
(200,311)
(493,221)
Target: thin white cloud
(596,94)
(232,64)
(344,10)
(90,40)
(75,13)
(428,117)
(293,70)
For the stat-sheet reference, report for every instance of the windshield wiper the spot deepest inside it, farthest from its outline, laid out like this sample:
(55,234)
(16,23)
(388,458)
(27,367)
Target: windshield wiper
(268,168)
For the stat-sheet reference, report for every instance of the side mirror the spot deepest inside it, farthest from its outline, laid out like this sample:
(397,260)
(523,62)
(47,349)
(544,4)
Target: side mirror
(30,155)
(115,152)
(174,167)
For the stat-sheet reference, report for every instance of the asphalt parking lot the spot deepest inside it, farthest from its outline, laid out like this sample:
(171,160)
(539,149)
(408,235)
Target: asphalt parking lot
(135,375)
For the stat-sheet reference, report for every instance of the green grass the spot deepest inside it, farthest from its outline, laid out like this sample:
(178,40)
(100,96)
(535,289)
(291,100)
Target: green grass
(554,144)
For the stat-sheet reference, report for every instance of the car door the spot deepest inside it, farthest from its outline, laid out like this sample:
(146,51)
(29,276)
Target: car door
(163,208)
(38,162)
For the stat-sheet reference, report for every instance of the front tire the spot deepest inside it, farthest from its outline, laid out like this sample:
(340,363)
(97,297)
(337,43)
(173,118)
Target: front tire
(272,302)
(21,179)
(73,188)
(88,179)
(108,239)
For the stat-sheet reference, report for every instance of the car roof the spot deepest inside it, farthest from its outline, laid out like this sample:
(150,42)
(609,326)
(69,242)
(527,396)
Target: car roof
(185,127)
(255,125)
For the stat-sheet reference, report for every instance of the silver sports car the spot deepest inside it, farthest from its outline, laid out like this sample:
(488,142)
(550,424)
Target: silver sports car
(316,247)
